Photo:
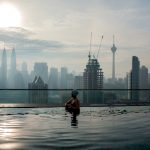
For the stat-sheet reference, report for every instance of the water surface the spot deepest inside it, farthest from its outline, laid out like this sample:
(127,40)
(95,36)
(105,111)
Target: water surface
(100,128)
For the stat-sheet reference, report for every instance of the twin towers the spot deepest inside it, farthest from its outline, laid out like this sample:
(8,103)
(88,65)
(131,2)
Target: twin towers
(4,70)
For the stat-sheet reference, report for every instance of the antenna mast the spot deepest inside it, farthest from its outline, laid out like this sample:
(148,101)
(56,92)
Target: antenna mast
(91,42)
(113,39)
(99,46)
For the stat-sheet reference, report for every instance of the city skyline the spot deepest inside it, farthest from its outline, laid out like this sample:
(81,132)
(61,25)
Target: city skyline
(63,36)
(10,66)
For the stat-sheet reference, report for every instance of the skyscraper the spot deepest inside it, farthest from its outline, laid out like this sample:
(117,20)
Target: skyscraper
(135,78)
(39,94)
(113,49)
(12,73)
(144,96)
(53,78)
(4,70)
(93,79)
(78,82)
(70,81)
(143,77)
(25,75)
(63,78)
(41,69)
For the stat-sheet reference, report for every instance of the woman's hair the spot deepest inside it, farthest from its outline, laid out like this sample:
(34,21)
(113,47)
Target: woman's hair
(74,93)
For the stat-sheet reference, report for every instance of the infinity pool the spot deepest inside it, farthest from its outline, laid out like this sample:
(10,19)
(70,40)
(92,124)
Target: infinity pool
(97,128)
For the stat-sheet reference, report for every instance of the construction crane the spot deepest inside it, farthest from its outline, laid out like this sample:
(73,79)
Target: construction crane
(90,47)
(99,46)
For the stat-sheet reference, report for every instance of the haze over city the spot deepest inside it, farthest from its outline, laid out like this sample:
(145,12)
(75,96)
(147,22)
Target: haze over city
(58,32)
(74,74)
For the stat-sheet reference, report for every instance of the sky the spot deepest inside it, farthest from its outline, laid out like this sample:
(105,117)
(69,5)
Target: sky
(58,32)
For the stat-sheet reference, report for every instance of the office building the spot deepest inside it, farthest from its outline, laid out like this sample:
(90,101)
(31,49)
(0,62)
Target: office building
(135,79)
(38,93)
(93,79)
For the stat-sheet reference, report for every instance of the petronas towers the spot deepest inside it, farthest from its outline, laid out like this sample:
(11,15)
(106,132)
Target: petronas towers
(4,70)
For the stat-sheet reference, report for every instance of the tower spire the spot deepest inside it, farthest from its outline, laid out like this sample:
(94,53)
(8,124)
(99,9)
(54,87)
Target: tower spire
(4,69)
(113,39)
(113,49)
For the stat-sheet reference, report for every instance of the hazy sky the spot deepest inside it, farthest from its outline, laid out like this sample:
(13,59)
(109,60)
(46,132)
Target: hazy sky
(58,32)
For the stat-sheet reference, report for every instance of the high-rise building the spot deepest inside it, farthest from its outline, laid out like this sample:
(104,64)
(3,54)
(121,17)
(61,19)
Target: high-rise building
(25,75)
(63,78)
(143,77)
(12,73)
(135,79)
(113,49)
(4,70)
(53,78)
(128,84)
(93,79)
(38,93)
(70,81)
(13,60)
(144,95)
(19,81)
(148,78)
(41,69)
(78,82)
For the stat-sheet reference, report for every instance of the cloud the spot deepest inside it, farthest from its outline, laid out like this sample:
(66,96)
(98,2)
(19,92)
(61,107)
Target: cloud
(24,41)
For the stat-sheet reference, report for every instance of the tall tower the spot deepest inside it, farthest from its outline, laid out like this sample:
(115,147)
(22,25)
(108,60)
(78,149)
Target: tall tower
(12,74)
(4,70)
(13,60)
(135,78)
(113,49)
(93,79)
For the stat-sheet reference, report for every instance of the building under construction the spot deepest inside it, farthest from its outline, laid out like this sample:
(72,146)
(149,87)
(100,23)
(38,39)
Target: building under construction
(93,82)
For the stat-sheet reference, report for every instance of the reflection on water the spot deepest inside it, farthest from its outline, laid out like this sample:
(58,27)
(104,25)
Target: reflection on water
(74,121)
(95,128)
(4,131)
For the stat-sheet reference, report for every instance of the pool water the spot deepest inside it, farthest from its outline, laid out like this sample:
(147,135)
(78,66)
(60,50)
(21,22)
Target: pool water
(96,128)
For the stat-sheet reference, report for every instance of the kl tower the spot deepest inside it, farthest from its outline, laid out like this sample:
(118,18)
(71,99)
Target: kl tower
(113,49)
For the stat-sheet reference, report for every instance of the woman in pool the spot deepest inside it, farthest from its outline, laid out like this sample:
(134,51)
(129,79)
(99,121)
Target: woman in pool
(73,105)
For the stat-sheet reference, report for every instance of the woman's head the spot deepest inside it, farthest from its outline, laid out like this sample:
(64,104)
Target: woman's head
(74,93)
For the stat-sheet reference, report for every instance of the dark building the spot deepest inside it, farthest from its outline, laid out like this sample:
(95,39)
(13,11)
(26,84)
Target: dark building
(143,77)
(93,79)
(144,95)
(39,94)
(135,79)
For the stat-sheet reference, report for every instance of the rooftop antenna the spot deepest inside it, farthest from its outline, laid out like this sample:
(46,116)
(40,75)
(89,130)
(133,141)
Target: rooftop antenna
(90,47)
(113,39)
(99,46)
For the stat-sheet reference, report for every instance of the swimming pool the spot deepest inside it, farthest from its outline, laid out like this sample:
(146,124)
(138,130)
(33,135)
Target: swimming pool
(100,128)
